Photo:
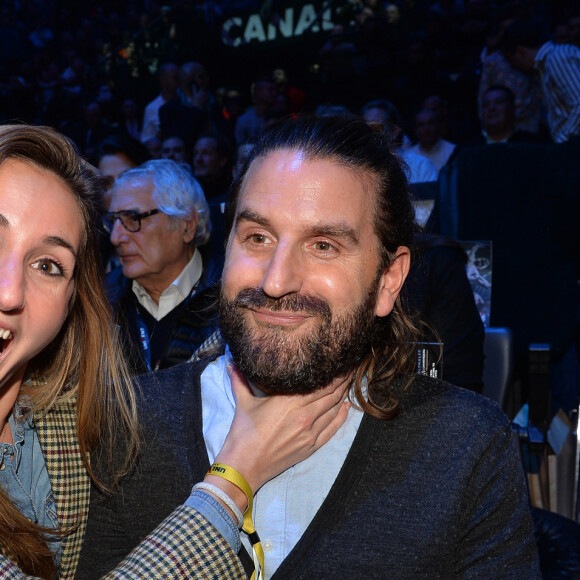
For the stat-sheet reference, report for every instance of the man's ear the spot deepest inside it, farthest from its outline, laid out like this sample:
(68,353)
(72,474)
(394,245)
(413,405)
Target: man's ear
(391,281)
(189,226)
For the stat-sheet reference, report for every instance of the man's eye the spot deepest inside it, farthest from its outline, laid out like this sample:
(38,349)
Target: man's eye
(133,219)
(258,238)
(48,267)
(323,246)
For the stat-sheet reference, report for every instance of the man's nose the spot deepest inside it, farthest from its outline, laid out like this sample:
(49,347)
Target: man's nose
(118,233)
(12,285)
(283,273)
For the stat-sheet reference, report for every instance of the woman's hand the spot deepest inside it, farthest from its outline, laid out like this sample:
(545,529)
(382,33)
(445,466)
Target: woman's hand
(270,434)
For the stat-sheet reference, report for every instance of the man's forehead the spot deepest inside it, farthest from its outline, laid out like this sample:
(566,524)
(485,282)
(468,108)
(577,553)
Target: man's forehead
(137,190)
(289,182)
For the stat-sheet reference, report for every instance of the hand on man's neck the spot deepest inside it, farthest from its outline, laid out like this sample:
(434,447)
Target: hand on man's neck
(343,382)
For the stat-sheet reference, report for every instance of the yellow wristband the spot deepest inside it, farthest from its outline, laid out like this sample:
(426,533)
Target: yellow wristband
(230,474)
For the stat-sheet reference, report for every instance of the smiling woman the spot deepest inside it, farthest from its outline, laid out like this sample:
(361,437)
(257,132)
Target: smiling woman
(58,355)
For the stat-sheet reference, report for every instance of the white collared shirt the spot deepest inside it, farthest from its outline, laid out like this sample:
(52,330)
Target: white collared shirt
(177,292)
(438,155)
(285,505)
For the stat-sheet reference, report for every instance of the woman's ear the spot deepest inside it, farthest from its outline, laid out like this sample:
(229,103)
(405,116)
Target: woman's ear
(391,281)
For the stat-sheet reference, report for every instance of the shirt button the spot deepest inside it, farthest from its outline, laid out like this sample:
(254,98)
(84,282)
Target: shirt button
(268,545)
(3,466)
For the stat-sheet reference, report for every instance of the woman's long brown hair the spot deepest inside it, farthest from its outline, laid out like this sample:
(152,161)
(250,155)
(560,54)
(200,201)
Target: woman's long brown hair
(84,362)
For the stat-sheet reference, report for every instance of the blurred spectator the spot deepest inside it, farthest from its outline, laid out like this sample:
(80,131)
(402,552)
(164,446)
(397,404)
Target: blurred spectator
(561,34)
(295,97)
(338,65)
(168,76)
(253,122)
(498,118)
(558,67)
(174,148)
(419,78)
(90,131)
(233,109)
(211,157)
(243,153)
(497,71)
(455,130)
(185,116)
(130,120)
(573,27)
(107,100)
(385,113)
(153,145)
(119,153)
(431,144)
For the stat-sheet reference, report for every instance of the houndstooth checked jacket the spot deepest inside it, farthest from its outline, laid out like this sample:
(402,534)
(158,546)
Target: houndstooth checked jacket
(185,545)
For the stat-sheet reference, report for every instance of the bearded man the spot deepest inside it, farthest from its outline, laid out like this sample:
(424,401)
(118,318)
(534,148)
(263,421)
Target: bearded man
(423,480)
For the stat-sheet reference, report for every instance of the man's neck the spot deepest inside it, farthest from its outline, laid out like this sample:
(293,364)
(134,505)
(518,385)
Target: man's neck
(261,109)
(429,147)
(499,136)
(155,286)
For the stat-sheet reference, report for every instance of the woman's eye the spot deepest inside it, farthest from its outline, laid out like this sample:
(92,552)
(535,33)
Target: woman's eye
(48,267)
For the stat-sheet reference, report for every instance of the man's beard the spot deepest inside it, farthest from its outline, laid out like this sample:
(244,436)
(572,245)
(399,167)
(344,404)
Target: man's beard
(287,361)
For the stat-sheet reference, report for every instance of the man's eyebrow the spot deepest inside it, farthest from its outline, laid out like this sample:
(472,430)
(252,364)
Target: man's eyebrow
(337,231)
(252,216)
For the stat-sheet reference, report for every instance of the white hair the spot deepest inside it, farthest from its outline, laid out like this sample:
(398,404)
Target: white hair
(176,193)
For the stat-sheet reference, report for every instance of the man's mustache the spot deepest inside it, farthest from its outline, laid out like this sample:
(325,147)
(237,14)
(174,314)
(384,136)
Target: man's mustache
(257,298)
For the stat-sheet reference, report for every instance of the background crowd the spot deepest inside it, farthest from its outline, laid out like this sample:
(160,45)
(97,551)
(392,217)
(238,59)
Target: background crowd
(196,81)
(90,69)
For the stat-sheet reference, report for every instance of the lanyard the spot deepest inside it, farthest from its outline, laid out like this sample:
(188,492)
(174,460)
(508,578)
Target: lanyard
(144,332)
(145,342)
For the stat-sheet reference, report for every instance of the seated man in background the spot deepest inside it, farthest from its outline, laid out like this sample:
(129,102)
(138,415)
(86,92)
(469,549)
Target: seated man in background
(162,293)
(430,143)
(498,118)
(424,479)
(421,170)
(211,167)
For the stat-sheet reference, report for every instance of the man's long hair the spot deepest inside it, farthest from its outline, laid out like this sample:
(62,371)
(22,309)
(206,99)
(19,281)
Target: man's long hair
(365,149)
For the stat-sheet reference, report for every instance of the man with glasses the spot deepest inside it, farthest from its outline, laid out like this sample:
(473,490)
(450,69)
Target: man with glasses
(162,294)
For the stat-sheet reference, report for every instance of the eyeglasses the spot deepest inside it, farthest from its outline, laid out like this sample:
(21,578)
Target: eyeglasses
(129,218)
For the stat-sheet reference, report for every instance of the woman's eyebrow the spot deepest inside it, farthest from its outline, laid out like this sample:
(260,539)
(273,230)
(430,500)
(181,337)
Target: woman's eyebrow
(60,242)
(47,240)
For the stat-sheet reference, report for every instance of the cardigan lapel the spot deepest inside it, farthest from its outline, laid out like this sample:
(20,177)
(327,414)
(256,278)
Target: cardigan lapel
(336,502)
(68,477)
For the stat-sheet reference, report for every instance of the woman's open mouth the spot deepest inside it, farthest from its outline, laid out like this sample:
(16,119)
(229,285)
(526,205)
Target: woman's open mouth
(5,337)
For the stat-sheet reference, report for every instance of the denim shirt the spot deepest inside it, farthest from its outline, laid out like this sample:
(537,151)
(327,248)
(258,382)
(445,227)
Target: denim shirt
(24,477)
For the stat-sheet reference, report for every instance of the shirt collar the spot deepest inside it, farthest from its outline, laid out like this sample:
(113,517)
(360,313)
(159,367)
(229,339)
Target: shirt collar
(491,141)
(176,293)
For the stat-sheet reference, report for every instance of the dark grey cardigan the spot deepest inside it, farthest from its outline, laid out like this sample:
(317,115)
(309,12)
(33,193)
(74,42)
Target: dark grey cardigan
(437,492)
